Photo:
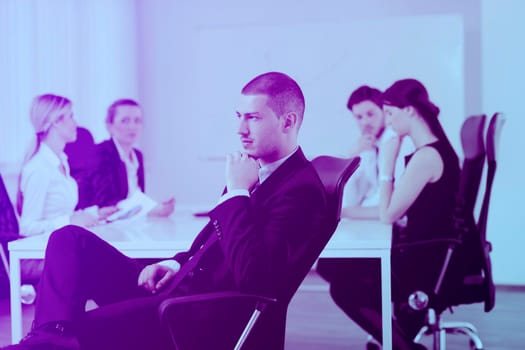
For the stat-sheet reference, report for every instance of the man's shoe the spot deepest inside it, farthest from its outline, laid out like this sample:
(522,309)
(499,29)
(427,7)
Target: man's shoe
(50,336)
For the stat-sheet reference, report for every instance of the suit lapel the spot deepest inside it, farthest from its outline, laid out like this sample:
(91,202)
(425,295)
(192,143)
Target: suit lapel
(121,175)
(280,175)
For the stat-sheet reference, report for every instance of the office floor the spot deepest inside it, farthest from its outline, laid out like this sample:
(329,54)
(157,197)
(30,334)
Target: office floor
(315,323)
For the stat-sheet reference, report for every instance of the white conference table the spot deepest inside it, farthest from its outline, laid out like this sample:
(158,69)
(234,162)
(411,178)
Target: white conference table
(162,238)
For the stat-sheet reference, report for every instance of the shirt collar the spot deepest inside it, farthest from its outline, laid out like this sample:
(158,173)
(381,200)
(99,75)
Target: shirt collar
(51,156)
(267,170)
(124,157)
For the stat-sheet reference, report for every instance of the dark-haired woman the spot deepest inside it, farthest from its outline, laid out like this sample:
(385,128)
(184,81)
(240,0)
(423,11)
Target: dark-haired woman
(425,194)
(120,167)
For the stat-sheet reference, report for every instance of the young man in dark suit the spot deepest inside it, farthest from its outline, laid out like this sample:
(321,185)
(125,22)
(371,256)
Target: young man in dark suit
(254,242)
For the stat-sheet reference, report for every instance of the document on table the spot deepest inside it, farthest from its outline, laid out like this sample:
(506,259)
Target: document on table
(137,205)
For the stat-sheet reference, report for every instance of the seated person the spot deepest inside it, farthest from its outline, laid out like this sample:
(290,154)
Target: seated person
(361,194)
(425,193)
(48,194)
(120,167)
(253,243)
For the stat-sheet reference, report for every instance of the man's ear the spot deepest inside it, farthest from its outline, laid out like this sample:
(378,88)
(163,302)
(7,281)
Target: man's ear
(289,121)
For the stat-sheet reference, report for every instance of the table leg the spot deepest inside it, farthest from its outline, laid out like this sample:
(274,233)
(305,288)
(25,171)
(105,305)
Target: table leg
(16,306)
(386,297)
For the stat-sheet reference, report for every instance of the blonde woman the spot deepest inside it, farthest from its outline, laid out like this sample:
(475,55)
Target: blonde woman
(48,194)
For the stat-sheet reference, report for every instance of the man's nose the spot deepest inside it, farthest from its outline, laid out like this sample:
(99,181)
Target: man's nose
(243,127)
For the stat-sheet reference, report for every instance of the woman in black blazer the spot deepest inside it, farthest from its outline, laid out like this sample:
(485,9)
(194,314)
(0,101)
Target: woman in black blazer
(120,166)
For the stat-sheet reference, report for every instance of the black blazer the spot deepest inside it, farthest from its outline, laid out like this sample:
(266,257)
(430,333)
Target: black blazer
(263,241)
(109,179)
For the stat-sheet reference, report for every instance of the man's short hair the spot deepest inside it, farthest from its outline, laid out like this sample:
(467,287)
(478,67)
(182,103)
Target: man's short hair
(112,109)
(284,94)
(365,93)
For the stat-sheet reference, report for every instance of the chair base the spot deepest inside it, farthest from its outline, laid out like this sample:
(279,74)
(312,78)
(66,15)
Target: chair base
(438,330)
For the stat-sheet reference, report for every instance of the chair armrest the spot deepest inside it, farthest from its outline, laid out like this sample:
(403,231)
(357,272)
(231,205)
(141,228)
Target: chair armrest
(427,243)
(219,296)
(210,320)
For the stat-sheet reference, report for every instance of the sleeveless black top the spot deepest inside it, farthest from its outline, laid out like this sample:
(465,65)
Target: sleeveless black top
(430,216)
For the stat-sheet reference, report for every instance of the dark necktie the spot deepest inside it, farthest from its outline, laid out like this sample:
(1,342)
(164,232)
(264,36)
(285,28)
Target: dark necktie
(189,267)
(255,187)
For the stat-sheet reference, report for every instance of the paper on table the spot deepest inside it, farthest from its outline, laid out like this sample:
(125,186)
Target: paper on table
(138,204)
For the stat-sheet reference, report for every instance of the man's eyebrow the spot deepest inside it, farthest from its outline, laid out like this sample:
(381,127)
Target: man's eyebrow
(248,114)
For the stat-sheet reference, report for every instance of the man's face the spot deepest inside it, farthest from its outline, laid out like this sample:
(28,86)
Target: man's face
(260,129)
(126,127)
(370,118)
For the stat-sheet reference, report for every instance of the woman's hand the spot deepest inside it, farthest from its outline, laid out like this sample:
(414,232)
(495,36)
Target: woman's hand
(83,218)
(104,212)
(163,209)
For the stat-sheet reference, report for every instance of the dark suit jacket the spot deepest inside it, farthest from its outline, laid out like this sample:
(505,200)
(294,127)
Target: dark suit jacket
(109,180)
(265,244)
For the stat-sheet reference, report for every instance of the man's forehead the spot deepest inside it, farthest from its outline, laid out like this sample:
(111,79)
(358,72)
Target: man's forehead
(251,103)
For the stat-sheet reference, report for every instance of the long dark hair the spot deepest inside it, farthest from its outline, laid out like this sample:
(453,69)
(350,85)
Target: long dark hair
(411,92)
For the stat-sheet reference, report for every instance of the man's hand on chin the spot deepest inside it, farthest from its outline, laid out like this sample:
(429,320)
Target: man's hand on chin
(242,171)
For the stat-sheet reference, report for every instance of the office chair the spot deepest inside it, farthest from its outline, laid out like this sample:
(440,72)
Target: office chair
(82,161)
(8,225)
(334,173)
(465,276)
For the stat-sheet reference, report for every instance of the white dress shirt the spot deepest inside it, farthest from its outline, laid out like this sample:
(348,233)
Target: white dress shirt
(49,193)
(132,165)
(363,186)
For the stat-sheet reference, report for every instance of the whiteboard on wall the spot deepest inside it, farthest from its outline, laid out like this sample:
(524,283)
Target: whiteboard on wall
(328,60)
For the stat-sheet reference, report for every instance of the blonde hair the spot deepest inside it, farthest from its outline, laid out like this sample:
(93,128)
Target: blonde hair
(45,110)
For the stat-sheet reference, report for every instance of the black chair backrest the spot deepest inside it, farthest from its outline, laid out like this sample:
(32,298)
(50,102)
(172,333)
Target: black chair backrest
(493,136)
(82,162)
(472,140)
(492,141)
(9,229)
(467,258)
(334,172)
(79,152)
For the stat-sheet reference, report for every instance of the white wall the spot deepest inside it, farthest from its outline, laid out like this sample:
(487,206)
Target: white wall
(100,50)
(503,83)
(173,35)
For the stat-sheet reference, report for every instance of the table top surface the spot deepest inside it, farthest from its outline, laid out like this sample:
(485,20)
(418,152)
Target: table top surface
(177,233)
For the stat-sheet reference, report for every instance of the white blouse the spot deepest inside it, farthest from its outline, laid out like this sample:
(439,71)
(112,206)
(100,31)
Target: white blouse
(132,165)
(49,194)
